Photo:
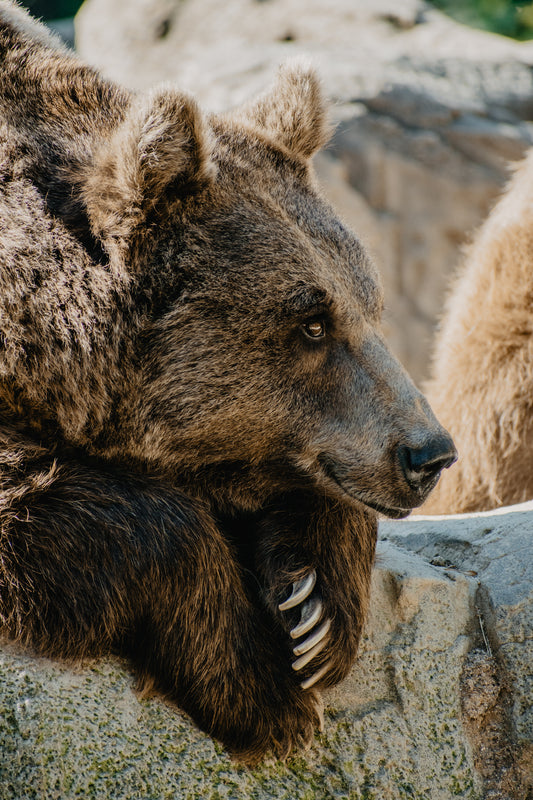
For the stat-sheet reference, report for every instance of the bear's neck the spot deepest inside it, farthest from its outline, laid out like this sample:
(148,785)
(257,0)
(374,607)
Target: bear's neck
(61,337)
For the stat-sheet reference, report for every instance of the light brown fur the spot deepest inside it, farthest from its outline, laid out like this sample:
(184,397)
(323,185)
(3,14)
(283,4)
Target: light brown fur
(482,387)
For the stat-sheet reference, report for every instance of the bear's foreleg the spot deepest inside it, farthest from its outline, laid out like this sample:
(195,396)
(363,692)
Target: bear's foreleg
(314,558)
(93,561)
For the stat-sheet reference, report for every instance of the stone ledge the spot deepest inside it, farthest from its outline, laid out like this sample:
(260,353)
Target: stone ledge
(447,648)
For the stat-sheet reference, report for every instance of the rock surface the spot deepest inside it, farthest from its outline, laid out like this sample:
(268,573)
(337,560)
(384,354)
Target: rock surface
(438,705)
(495,549)
(429,114)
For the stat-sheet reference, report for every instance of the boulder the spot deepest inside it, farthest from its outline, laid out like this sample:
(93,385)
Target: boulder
(438,704)
(429,114)
(495,549)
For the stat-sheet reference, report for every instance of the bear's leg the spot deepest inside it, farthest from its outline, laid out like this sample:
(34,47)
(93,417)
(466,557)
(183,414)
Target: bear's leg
(93,561)
(314,557)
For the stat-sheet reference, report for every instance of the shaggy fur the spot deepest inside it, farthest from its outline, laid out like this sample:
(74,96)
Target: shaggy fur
(197,406)
(482,387)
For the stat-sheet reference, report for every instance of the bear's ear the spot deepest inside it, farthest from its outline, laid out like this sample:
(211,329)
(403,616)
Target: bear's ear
(163,147)
(294,111)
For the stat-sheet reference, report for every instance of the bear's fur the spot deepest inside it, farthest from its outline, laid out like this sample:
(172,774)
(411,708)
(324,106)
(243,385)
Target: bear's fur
(482,384)
(197,407)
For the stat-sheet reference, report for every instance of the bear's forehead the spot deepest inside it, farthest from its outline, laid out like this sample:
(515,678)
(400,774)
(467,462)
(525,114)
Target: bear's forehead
(277,235)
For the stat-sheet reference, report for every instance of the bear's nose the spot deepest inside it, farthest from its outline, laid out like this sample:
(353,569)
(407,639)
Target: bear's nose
(421,465)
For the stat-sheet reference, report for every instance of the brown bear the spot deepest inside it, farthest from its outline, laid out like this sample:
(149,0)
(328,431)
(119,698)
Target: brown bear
(199,417)
(482,385)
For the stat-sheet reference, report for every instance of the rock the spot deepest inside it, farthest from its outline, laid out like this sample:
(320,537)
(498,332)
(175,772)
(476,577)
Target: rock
(437,706)
(496,549)
(429,114)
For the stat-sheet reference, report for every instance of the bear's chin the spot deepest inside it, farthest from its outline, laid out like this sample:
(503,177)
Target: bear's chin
(391,513)
(353,497)
(385,511)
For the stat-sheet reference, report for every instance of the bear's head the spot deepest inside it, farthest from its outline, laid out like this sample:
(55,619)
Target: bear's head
(261,362)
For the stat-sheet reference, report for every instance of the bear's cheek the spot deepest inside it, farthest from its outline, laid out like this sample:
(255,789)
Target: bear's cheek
(214,400)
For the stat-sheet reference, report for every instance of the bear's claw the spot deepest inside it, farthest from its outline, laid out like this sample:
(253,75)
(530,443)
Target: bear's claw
(316,677)
(300,591)
(304,660)
(310,615)
(314,639)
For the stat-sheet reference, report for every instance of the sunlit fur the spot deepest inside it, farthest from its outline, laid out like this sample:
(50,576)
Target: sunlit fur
(174,450)
(482,387)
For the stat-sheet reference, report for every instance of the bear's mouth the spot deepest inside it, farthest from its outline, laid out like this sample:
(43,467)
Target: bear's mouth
(394,512)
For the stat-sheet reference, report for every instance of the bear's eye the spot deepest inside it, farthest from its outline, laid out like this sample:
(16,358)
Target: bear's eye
(314,329)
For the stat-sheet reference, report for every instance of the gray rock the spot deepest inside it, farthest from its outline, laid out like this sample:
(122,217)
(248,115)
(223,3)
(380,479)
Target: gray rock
(437,706)
(497,549)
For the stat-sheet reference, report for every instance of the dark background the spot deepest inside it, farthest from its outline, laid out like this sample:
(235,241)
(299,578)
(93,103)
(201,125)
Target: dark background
(52,9)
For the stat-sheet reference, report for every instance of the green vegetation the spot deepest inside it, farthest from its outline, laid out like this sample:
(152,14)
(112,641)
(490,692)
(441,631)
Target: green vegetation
(52,9)
(508,17)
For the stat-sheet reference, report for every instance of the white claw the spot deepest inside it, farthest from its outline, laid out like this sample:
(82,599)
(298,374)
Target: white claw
(300,590)
(313,639)
(316,677)
(311,613)
(307,657)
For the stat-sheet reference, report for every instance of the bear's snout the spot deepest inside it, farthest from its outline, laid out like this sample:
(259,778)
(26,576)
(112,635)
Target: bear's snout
(422,465)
